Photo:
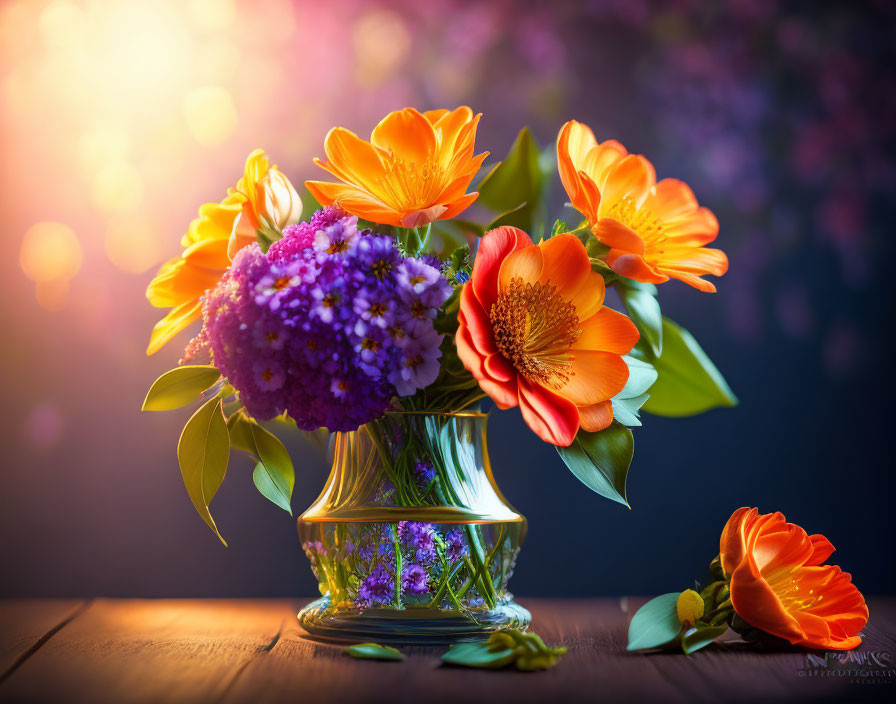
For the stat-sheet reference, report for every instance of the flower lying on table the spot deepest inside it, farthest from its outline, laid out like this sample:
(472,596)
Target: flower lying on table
(770,583)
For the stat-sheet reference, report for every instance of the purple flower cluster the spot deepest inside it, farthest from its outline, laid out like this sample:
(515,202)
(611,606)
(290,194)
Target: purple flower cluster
(377,588)
(419,538)
(328,326)
(424,473)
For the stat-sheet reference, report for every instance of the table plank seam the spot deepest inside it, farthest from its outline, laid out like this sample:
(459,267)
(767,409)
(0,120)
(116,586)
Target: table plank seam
(40,642)
(261,650)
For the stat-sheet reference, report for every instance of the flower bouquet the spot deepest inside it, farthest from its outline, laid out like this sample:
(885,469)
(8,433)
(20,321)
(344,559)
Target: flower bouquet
(375,319)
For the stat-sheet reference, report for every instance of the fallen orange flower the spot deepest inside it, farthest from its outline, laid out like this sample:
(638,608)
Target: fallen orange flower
(415,169)
(779,584)
(655,231)
(534,332)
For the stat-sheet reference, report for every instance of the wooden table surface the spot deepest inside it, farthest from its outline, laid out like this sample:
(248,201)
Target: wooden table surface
(122,651)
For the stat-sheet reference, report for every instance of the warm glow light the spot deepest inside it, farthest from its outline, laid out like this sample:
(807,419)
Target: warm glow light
(212,15)
(103,146)
(134,245)
(210,114)
(117,188)
(62,25)
(381,43)
(50,252)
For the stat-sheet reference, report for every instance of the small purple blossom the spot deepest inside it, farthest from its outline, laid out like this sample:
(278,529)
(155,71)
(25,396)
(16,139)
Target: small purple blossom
(377,588)
(414,579)
(424,473)
(420,539)
(456,546)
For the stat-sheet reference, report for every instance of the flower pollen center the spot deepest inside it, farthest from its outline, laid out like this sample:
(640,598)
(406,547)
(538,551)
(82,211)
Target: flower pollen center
(641,220)
(409,185)
(534,327)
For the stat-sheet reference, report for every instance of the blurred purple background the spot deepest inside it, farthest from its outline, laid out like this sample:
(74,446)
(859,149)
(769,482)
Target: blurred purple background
(119,119)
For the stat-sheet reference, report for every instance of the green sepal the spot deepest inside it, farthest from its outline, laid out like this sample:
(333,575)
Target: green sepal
(202,453)
(180,387)
(558,227)
(700,636)
(688,381)
(655,624)
(373,651)
(274,475)
(643,308)
(601,460)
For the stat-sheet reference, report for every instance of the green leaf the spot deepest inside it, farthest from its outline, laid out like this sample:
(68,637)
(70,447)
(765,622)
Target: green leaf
(558,227)
(688,381)
(274,475)
(601,460)
(180,387)
(478,655)
(700,637)
(373,651)
(203,452)
(514,182)
(520,216)
(644,310)
(627,403)
(655,624)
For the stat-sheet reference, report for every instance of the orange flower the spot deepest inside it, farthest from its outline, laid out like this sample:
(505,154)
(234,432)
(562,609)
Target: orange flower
(534,332)
(263,198)
(415,169)
(779,585)
(655,231)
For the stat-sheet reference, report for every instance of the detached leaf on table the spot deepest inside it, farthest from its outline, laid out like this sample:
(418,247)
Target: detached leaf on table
(373,651)
(655,624)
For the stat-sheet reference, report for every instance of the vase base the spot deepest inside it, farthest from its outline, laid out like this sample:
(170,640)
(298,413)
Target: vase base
(411,626)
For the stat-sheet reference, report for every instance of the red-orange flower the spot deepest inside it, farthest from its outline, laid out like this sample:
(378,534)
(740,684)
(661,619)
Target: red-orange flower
(655,231)
(535,333)
(779,584)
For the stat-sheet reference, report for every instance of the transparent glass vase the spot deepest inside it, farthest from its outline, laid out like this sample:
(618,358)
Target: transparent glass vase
(411,541)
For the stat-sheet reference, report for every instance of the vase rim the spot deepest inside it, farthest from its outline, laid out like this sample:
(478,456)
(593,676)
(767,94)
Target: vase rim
(448,414)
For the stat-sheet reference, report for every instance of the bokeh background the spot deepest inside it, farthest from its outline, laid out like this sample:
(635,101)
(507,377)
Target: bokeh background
(119,119)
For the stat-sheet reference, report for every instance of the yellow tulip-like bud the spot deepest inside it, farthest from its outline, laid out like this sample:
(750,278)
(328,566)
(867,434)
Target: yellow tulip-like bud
(271,203)
(689,607)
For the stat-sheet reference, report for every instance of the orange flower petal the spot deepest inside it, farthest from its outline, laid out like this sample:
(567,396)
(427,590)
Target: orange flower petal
(693,280)
(525,264)
(551,417)
(353,200)
(671,200)
(208,254)
(697,229)
(609,331)
(499,368)
(755,602)
(601,159)
(732,548)
(614,234)
(566,264)
(406,135)
(493,248)
(630,177)
(695,260)
(821,550)
(469,355)
(477,321)
(458,206)
(435,115)
(590,297)
(595,377)
(352,159)
(634,266)
(505,395)
(596,417)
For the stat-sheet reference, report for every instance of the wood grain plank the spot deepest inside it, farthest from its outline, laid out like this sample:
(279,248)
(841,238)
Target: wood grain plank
(298,669)
(148,651)
(24,623)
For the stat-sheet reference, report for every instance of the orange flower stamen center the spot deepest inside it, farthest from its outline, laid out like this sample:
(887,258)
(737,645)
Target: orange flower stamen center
(787,589)
(411,186)
(644,223)
(534,327)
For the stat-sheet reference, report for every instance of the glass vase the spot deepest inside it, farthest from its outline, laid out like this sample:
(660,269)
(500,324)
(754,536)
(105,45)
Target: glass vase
(410,540)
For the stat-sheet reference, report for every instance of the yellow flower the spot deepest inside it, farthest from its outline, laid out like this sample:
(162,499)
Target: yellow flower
(263,199)
(415,169)
(271,203)
(690,607)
